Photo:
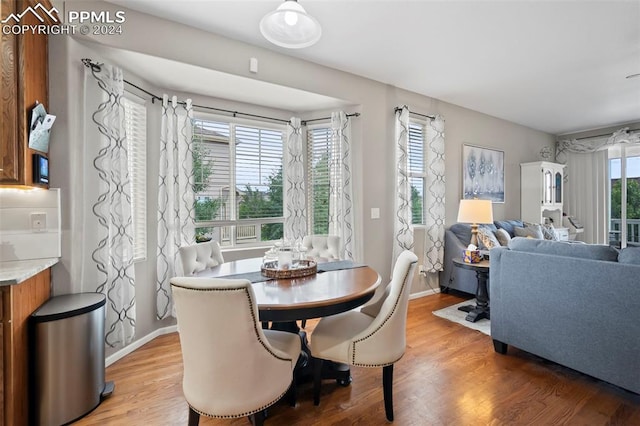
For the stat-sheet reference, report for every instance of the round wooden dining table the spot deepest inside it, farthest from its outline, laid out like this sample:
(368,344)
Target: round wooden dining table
(314,296)
(284,301)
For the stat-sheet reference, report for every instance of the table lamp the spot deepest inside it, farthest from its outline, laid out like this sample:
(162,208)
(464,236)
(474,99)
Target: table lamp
(474,212)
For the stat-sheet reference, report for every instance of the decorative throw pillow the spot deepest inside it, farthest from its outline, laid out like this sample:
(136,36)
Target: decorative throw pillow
(549,232)
(503,236)
(532,231)
(486,239)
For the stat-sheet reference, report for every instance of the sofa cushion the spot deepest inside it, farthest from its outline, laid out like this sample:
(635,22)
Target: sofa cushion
(630,255)
(533,231)
(503,236)
(559,248)
(486,238)
(508,225)
(462,231)
(549,232)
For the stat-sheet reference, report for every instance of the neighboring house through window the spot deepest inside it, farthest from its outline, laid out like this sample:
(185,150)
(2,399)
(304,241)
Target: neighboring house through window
(238,187)
(135,120)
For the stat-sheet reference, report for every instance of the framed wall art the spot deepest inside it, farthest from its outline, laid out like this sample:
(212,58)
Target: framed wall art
(482,173)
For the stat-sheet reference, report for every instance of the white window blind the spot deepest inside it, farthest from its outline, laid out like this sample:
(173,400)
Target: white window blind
(135,114)
(417,171)
(238,170)
(258,166)
(318,160)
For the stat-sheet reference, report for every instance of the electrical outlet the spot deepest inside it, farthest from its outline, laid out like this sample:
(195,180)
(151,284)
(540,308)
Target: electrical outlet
(38,222)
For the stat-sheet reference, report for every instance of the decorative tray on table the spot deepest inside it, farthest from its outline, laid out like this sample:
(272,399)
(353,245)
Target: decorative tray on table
(304,268)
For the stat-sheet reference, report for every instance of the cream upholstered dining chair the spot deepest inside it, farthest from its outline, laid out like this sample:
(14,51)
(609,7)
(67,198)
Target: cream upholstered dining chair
(232,367)
(200,256)
(323,246)
(377,339)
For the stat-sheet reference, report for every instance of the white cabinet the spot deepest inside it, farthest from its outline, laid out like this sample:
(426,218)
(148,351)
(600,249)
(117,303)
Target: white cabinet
(541,192)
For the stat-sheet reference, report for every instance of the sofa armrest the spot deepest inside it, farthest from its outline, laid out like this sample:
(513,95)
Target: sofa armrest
(456,278)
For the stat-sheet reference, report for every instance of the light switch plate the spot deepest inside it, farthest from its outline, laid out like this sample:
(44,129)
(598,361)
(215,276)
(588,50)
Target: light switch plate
(375,213)
(38,222)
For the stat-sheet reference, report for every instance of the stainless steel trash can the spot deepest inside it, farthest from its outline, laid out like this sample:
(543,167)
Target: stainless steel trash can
(67,364)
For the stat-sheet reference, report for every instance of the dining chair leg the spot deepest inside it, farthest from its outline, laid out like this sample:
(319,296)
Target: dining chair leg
(317,380)
(387,387)
(292,393)
(194,417)
(257,419)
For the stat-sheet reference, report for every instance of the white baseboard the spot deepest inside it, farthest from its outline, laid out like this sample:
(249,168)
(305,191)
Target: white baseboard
(138,343)
(424,293)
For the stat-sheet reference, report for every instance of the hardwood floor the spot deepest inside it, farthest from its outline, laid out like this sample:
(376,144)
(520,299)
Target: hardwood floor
(449,375)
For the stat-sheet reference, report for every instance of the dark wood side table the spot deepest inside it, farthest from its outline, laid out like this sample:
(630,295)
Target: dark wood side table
(481,309)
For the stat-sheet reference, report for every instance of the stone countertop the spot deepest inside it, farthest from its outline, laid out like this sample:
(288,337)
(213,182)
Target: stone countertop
(15,272)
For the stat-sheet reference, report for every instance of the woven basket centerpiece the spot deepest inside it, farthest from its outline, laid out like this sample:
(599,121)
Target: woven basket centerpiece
(305,268)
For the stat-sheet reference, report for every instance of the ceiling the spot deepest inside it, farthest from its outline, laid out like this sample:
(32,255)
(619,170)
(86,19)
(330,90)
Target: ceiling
(555,66)
(194,79)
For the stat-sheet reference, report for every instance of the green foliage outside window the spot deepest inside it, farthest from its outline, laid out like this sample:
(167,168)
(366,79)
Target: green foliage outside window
(256,204)
(320,191)
(633,199)
(416,206)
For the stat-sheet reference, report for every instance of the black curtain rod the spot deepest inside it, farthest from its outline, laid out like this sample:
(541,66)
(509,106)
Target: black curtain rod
(355,114)
(97,67)
(415,113)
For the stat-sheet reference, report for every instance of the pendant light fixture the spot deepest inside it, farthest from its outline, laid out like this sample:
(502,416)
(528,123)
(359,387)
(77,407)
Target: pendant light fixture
(290,26)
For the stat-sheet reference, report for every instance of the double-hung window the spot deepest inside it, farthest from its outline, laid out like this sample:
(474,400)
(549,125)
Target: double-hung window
(319,148)
(238,181)
(417,171)
(135,123)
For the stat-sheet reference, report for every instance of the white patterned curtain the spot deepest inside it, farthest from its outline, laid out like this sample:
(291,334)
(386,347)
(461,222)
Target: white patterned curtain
(175,196)
(433,255)
(295,213)
(586,194)
(341,217)
(101,228)
(402,233)
(565,147)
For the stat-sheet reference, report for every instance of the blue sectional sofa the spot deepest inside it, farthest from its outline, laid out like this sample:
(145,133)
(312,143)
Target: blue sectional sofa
(574,304)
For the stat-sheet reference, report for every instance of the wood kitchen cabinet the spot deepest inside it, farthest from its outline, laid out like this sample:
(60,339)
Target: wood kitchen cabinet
(18,301)
(24,73)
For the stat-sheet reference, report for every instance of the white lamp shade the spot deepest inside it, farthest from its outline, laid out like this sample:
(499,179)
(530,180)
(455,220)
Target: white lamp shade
(290,26)
(475,211)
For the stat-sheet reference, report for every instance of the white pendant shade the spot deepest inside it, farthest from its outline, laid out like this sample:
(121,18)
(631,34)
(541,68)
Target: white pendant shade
(290,26)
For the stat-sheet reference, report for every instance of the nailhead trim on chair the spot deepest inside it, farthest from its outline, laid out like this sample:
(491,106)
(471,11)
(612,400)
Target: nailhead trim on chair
(255,329)
(353,356)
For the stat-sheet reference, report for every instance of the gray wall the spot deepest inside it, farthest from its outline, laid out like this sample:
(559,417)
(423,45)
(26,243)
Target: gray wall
(373,131)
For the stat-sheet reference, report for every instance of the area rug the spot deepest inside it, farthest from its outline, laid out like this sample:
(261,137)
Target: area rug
(452,313)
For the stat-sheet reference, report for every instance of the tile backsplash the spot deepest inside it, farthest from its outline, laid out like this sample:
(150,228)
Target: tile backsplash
(29,224)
